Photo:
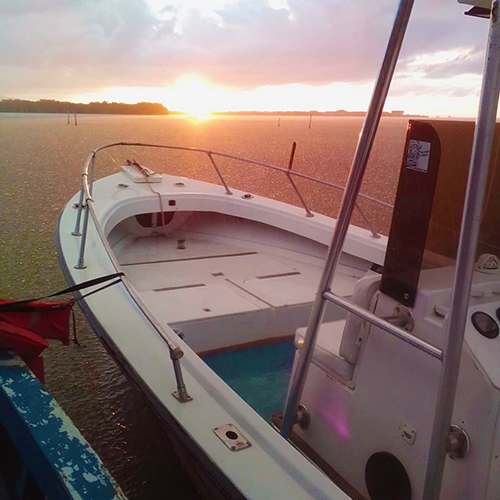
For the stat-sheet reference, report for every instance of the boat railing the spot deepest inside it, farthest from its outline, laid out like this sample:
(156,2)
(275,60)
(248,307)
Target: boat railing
(86,201)
(86,208)
(88,174)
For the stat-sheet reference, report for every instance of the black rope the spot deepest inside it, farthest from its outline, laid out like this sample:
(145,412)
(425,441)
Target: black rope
(98,290)
(22,305)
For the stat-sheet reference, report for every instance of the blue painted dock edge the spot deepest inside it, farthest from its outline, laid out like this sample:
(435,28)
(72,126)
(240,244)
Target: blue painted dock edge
(60,461)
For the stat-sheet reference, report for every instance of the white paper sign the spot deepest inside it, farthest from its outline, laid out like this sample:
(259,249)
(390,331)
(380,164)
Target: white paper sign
(418,154)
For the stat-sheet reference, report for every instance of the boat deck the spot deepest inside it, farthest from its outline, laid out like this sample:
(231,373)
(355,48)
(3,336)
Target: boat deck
(261,293)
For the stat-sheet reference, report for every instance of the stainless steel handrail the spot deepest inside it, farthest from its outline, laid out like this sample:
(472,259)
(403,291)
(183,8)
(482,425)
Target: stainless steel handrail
(176,352)
(287,171)
(86,203)
(385,325)
(353,186)
(469,233)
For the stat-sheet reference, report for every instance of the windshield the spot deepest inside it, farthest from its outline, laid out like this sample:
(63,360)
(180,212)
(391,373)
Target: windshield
(429,203)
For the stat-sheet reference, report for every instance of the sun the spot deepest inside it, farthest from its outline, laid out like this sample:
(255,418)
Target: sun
(193,95)
(199,115)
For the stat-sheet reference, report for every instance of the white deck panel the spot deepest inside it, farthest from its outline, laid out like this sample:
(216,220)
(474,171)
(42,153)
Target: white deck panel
(207,301)
(190,292)
(296,289)
(197,271)
(210,279)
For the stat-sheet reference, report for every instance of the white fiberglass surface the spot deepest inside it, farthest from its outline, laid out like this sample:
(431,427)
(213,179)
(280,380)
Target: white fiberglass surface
(211,269)
(142,349)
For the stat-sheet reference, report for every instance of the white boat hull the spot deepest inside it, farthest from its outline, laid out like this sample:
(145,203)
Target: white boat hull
(271,467)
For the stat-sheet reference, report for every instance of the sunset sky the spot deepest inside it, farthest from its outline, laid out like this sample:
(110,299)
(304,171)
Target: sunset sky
(218,55)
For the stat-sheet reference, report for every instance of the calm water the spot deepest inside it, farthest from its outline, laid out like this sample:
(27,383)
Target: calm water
(40,165)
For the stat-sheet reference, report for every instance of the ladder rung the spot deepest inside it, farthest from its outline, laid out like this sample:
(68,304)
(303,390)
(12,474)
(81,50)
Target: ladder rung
(385,325)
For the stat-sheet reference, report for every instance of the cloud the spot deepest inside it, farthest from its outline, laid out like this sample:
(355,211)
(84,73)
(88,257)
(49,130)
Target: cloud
(58,46)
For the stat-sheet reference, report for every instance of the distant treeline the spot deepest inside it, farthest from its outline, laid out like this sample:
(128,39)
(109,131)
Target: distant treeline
(340,112)
(104,107)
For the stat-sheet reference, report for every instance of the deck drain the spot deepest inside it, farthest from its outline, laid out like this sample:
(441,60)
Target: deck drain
(232,437)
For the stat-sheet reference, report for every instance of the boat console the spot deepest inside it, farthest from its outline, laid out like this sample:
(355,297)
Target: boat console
(384,405)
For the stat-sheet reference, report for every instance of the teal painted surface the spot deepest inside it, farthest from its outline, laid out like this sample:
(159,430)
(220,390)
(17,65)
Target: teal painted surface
(61,461)
(259,375)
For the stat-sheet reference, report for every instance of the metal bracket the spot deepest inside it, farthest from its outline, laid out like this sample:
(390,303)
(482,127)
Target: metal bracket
(458,443)
(182,397)
(303,416)
(181,393)
(402,317)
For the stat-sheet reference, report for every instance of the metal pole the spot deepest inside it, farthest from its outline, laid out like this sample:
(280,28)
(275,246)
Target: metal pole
(91,174)
(297,192)
(296,189)
(292,155)
(181,393)
(228,191)
(81,258)
(348,201)
(76,231)
(471,221)
(386,325)
(371,227)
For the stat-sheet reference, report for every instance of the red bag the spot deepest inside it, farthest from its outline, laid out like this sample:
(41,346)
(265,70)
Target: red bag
(25,324)
(47,319)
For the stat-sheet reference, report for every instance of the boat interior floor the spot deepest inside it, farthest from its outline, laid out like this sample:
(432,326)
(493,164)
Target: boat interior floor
(187,280)
(259,374)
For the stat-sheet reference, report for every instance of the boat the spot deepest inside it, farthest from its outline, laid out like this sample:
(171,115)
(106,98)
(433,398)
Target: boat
(293,355)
